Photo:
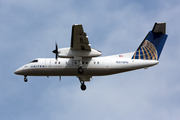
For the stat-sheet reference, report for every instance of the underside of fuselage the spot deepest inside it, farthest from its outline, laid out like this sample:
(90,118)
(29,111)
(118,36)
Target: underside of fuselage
(71,72)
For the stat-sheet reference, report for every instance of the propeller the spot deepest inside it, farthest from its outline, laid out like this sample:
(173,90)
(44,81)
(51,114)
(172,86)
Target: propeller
(56,51)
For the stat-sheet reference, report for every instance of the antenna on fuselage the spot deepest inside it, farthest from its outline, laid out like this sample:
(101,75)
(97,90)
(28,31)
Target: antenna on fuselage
(59,78)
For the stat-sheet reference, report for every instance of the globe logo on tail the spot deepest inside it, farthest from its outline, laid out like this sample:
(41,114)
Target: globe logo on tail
(146,51)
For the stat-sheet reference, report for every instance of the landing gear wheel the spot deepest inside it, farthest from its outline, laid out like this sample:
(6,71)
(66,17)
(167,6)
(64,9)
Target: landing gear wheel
(80,70)
(83,87)
(25,79)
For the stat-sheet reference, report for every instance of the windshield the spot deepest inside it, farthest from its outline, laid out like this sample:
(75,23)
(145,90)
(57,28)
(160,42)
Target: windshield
(34,61)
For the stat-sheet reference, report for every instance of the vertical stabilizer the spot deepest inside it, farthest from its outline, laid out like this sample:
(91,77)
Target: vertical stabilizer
(152,45)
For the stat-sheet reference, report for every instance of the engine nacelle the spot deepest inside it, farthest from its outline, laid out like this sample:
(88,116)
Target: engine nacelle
(69,53)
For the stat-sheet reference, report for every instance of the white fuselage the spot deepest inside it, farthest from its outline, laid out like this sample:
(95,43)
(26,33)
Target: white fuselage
(92,66)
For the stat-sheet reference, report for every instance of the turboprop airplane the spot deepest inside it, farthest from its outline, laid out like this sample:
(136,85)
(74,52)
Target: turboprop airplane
(82,61)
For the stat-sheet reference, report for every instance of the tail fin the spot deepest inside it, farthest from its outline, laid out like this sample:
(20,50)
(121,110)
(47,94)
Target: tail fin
(152,45)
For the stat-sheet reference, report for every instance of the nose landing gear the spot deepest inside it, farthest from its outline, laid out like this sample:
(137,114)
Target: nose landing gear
(79,64)
(25,79)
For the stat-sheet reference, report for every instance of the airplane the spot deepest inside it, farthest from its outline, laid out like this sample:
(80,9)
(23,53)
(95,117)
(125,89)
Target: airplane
(84,62)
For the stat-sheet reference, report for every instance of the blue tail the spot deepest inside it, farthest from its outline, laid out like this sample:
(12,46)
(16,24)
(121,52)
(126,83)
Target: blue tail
(152,45)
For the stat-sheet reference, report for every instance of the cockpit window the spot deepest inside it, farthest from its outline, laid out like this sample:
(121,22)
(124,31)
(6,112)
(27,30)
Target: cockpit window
(34,61)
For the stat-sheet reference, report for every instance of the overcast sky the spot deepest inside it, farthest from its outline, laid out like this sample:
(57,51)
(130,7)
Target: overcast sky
(29,29)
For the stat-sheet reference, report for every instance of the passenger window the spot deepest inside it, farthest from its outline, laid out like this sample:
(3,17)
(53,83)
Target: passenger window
(59,62)
(97,62)
(94,62)
(86,62)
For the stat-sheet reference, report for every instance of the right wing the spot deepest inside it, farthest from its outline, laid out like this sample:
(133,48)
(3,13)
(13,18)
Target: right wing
(79,39)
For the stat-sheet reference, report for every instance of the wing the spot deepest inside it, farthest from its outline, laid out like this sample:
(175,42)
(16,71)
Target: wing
(79,39)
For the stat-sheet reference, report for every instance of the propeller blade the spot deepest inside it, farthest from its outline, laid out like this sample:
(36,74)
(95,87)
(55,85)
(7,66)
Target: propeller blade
(56,56)
(56,47)
(56,51)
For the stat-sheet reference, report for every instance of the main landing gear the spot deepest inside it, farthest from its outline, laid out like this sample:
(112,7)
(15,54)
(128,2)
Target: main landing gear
(79,64)
(25,79)
(83,86)
(82,80)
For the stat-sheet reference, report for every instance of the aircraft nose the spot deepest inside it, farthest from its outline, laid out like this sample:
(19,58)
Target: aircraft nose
(16,72)
(19,71)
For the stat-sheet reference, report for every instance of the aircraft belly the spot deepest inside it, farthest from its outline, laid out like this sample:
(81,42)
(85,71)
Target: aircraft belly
(74,72)
(69,72)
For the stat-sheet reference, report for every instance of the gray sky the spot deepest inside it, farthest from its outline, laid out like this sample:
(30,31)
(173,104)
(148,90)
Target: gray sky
(29,29)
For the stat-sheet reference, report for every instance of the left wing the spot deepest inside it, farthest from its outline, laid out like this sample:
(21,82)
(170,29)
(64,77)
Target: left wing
(79,39)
